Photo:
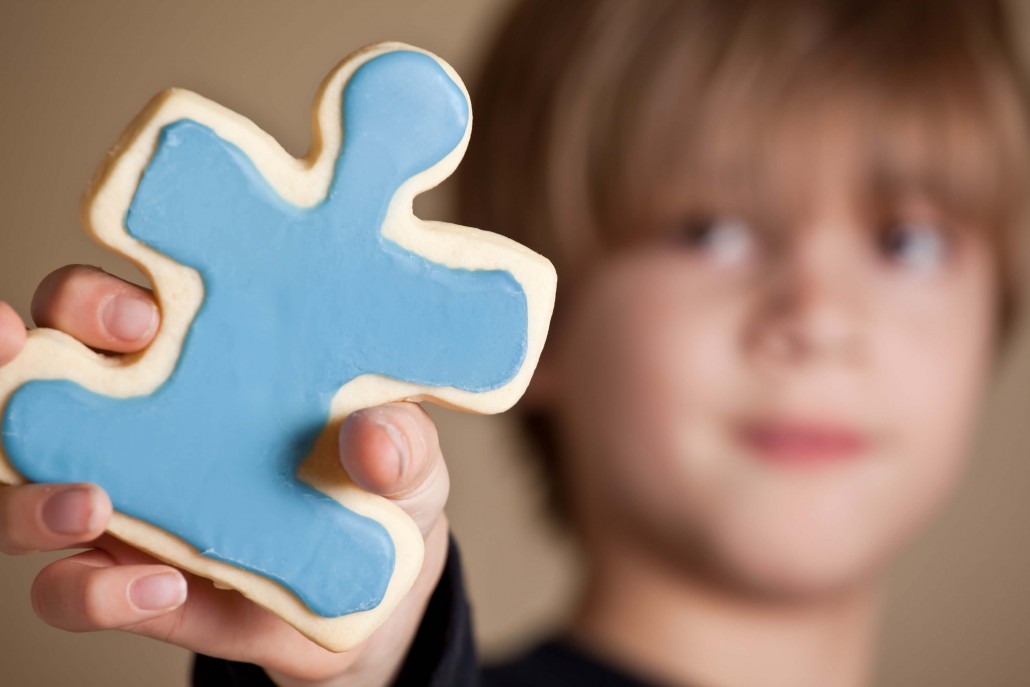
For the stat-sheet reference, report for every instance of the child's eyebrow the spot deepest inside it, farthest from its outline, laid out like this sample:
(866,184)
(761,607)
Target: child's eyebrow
(960,188)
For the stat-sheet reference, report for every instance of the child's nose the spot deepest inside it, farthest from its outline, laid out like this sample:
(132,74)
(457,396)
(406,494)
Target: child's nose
(810,306)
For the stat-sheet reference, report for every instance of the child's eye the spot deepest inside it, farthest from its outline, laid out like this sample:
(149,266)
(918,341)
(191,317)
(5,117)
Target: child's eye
(722,240)
(920,246)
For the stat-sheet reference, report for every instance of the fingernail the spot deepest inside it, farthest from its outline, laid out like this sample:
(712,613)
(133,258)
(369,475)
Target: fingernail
(69,512)
(128,317)
(160,592)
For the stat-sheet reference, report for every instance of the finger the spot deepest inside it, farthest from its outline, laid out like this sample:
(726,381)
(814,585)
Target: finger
(96,308)
(119,587)
(47,517)
(393,450)
(90,592)
(12,333)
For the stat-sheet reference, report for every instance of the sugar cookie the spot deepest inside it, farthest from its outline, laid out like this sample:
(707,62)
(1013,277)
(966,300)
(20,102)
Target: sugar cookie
(292,292)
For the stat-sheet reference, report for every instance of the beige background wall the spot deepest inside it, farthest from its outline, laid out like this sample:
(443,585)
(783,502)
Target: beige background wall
(73,73)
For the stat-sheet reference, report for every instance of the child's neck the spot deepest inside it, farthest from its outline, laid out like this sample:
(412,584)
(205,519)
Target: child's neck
(668,627)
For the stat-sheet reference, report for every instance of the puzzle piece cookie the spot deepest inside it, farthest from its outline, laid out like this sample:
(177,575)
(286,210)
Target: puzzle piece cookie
(292,293)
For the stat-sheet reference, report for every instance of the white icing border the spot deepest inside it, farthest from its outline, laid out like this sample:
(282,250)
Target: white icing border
(49,354)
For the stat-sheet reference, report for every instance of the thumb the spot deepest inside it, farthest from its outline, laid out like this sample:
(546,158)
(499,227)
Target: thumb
(393,450)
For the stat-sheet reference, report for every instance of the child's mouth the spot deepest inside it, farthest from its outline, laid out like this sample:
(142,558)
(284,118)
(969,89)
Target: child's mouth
(800,443)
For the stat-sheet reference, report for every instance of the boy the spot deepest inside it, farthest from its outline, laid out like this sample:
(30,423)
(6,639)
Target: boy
(785,235)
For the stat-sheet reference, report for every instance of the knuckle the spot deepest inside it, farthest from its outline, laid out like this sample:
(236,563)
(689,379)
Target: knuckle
(58,282)
(62,275)
(438,487)
(165,628)
(54,288)
(16,534)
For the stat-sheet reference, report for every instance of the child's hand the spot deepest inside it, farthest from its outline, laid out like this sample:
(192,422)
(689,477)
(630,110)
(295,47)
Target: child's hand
(390,450)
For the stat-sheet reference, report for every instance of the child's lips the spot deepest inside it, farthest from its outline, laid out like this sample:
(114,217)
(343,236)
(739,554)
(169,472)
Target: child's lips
(802,443)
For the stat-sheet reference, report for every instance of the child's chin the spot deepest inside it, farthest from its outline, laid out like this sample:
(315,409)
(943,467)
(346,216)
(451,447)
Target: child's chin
(799,570)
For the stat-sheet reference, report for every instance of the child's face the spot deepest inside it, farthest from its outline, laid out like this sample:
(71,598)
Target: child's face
(781,414)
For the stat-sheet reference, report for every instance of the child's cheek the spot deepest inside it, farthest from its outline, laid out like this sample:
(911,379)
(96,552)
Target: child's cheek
(934,376)
(656,356)
(929,351)
(664,355)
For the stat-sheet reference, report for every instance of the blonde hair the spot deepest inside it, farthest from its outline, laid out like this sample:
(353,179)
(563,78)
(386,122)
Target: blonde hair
(596,121)
(590,113)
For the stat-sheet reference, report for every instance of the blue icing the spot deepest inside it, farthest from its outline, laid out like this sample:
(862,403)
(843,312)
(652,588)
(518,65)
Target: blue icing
(298,301)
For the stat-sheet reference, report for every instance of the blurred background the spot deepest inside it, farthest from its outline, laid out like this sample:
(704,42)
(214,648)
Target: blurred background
(72,74)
